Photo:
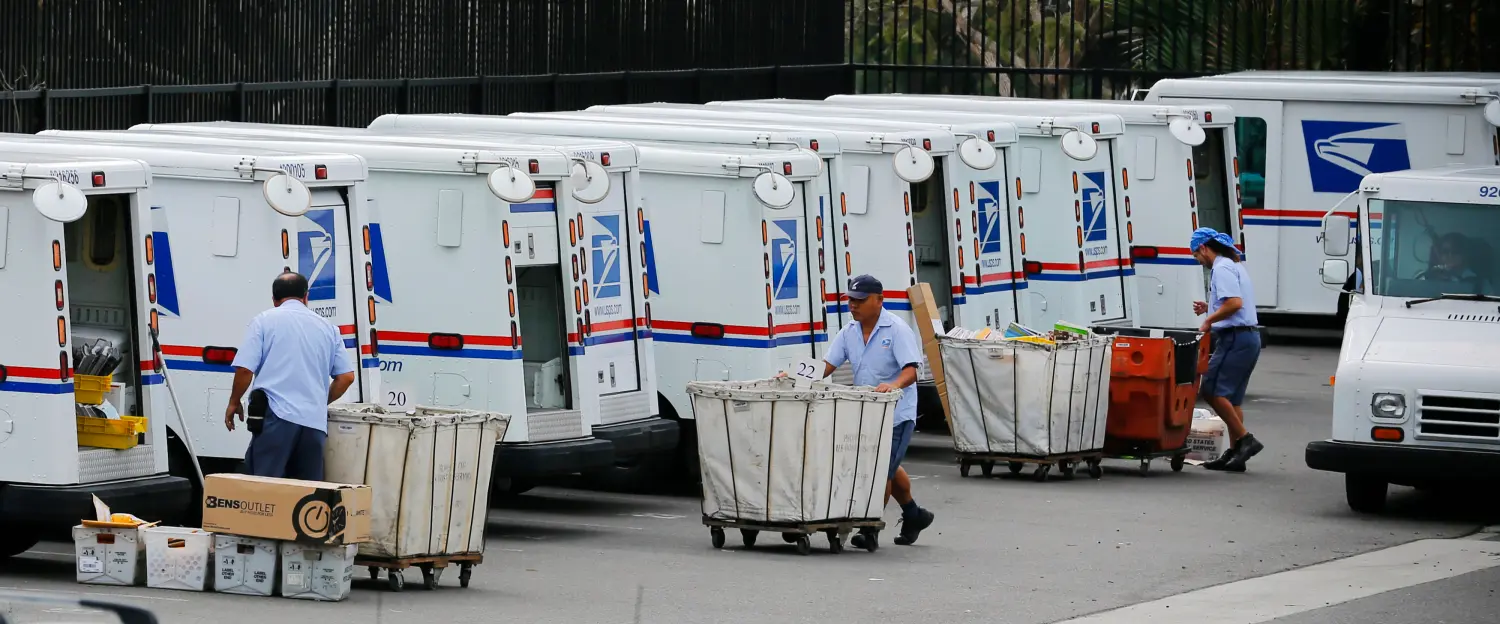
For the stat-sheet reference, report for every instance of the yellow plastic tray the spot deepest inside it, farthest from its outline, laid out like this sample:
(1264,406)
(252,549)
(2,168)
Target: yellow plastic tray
(111,434)
(90,389)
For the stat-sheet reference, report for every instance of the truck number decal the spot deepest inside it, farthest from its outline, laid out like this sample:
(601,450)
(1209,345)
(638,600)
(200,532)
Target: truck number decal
(1489,191)
(395,399)
(69,176)
(296,170)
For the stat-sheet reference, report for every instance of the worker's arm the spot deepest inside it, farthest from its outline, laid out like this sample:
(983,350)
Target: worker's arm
(246,362)
(1226,310)
(908,352)
(339,368)
(242,379)
(1226,282)
(907,377)
(340,385)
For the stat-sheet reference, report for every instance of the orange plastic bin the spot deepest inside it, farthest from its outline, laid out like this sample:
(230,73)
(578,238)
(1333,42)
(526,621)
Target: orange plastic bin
(1153,388)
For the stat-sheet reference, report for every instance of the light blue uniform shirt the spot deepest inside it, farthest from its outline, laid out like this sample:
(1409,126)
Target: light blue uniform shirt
(892,346)
(294,353)
(1232,279)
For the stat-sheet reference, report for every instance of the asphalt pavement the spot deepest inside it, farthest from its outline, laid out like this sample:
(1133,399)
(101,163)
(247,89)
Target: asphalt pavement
(1003,549)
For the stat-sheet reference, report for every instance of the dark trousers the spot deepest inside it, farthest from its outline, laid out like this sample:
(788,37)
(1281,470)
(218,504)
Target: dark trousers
(286,450)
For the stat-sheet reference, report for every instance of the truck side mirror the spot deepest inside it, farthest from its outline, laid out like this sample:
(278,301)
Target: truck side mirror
(1336,235)
(1335,271)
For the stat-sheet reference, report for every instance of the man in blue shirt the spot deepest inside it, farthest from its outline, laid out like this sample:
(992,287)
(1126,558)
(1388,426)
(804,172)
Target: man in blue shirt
(1232,319)
(884,353)
(290,353)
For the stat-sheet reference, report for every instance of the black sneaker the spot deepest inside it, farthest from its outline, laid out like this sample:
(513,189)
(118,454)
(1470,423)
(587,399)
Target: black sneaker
(1249,447)
(912,527)
(1225,459)
(864,539)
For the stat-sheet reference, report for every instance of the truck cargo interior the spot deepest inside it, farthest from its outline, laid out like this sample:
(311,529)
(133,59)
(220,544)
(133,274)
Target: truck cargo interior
(1210,182)
(930,236)
(544,337)
(101,289)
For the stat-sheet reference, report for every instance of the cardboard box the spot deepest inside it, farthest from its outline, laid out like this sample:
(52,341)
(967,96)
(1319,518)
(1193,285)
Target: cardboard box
(312,512)
(929,324)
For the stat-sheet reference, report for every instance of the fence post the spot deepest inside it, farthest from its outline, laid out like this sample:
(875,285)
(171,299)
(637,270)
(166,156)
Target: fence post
(404,107)
(776,87)
(148,108)
(331,103)
(556,92)
(44,112)
(476,95)
(241,107)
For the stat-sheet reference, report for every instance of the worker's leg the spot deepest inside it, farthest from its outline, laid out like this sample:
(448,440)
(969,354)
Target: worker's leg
(271,450)
(307,456)
(900,487)
(1246,355)
(913,517)
(1224,388)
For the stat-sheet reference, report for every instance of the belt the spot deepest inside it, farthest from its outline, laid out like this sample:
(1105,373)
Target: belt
(1234,329)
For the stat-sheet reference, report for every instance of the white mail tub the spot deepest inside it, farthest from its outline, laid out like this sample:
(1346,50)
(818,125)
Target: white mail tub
(428,471)
(776,454)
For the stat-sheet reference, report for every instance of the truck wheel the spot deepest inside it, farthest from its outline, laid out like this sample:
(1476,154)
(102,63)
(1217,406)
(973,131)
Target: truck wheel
(1365,494)
(16,540)
(638,474)
(180,464)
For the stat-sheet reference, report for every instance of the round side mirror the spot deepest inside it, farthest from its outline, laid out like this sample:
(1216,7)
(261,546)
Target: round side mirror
(287,195)
(62,203)
(774,190)
(1079,146)
(913,165)
(1492,112)
(1187,131)
(590,182)
(977,154)
(511,185)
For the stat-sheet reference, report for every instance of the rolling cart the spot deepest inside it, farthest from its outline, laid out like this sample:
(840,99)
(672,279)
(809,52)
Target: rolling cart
(838,532)
(431,567)
(1067,464)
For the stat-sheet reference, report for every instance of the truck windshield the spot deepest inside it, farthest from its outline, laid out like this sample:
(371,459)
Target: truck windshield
(1427,249)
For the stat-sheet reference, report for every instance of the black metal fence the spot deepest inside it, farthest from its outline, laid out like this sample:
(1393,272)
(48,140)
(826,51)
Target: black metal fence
(1104,48)
(110,43)
(357,102)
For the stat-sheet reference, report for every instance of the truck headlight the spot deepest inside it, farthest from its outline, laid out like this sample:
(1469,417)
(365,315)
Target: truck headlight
(1387,405)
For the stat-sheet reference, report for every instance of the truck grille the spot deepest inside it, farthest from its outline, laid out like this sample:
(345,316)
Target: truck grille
(1462,417)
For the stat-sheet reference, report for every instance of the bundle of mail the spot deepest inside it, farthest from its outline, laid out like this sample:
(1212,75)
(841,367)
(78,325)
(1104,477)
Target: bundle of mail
(1061,332)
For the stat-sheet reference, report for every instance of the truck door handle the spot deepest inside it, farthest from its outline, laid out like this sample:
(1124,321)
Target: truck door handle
(530,245)
(611,374)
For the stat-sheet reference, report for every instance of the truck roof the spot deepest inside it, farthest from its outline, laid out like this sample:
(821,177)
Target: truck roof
(622,154)
(626,129)
(1432,78)
(893,132)
(1329,90)
(196,161)
(381,155)
(971,122)
(1488,174)
(714,160)
(1131,112)
(120,174)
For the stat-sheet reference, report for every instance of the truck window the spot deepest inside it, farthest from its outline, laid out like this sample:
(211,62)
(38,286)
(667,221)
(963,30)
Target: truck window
(1425,249)
(1250,136)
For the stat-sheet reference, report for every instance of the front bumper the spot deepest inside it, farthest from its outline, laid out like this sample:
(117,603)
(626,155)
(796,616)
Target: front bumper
(552,459)
(151,498)
(642,437)
(1397,463)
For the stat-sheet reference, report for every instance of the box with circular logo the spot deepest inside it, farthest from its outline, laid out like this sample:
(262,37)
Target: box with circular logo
(311,512)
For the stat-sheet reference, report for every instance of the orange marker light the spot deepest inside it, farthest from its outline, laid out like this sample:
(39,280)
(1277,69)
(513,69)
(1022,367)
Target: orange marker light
(1387,434)
(150,251)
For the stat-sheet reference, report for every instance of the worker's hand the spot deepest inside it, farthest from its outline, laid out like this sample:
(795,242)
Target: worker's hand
(781,374)
(229,413)
(885,387)
(1200,307)
(1205,327)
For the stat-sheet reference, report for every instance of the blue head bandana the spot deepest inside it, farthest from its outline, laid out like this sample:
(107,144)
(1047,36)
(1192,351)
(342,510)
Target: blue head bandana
(1204,234)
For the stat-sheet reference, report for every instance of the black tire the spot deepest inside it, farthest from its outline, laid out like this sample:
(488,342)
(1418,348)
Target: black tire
(790,538)
(1016,467)
(1145,467)
(1364,493)
(963,468)
(15,540)
(1096,468)
(1066,469)
(872,541)
(1041,472)
(507,489)
(835,543)
(374,573)
(464,573)
(804,545)
(634,475)
(988,468)
(430,577)
(180,464)
(747,536)
(395,580)
(1178,461)
(717,535)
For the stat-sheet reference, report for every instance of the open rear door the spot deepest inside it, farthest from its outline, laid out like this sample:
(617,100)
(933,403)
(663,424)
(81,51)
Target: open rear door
(1099,233)
(324,258)
(790,260)
(607,288)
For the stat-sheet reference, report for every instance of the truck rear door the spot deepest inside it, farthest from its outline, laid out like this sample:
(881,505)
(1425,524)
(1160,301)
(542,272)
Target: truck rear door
(789,262)
(325,257)
(1099,232)
(607,286)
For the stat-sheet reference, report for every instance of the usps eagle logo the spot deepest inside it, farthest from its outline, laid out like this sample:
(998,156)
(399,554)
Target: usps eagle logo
(1341,153)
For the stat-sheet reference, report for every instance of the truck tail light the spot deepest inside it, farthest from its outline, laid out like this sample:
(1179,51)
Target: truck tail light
(710,331)
(1031,267)
(1144,252)
(223,356)
(445,342)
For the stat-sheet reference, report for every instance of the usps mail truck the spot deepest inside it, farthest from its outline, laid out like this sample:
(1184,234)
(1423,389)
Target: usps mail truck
(1416,400)
(1176,158)
(222,229)
(77,263)
(1094,287)
(585,395)
(1304,145)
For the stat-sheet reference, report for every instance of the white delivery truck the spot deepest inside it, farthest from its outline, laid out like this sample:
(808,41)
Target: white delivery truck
(1417,392)
(221,233)
(1095,286)
(1303,144)
(1175,162)
(583,380)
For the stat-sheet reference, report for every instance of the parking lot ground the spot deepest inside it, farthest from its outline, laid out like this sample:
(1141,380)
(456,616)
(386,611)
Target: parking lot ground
(1002,550)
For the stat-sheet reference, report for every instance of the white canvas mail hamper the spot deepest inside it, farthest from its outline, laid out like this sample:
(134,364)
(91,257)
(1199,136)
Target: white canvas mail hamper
(774,453)
(1019,398)
(428,472)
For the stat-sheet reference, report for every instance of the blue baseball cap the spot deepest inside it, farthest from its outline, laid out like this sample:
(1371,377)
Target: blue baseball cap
(861,286)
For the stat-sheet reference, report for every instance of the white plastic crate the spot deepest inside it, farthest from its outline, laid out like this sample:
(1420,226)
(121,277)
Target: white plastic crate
(245,565)
(178,557)
(428,471)
(774,453)
(109,556)
(1021,398)
(317,572)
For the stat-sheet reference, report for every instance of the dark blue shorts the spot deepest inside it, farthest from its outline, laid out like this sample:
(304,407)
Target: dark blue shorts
(286,450)
(900,439)
(1229,368)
